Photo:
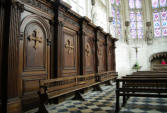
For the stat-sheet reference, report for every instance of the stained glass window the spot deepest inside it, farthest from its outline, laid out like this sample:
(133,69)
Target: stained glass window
(162,3)
(135,4)
(159,17)
(117,2)
(112,1)
(115,12)
(136,18)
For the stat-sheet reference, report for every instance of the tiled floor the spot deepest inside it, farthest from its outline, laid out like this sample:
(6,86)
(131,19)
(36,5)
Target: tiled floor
(104,102)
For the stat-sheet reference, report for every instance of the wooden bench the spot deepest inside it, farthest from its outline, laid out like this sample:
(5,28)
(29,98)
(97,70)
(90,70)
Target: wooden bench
(53,88)
(106,76)
(149,72)
(146,76)
(140,87)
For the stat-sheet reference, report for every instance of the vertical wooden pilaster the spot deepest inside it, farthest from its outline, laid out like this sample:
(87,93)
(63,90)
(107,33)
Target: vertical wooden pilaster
(114,62)
(10,55)
(106,55)
(58,45)
(82,48)
(2,12)
(4,43)
(96,51)
(53,58)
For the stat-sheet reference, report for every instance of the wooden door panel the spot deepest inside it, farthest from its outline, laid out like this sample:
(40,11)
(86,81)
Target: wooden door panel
(35,48)
(109,55)
(33,54)
(101,52)
(89,54)
(69,51)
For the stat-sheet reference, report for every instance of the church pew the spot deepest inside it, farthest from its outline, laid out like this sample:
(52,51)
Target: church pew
(145,75)
(140,87)
(53,88)
(149,72)
(106,77)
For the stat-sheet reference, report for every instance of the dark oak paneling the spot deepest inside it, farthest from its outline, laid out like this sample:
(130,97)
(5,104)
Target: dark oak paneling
(13,51)
(50,41)
(1,35)
(33,56)
(67,40)
(101,51)
(87,46)
(69,52)
(110,57)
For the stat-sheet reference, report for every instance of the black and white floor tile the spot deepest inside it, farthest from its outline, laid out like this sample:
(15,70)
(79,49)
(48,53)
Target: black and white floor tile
(104,102)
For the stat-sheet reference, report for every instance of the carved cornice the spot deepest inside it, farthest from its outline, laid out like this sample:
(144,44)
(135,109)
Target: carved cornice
(85,19)
(87,30)
(18,5)
(67,19)
(39,5)
(63,4)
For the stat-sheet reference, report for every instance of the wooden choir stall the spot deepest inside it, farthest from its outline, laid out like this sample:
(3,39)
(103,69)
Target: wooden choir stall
(44,44)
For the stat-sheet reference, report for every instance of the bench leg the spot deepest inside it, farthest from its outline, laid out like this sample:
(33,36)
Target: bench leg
(42,109)
(78,96)
(117,108)
(108,83)
(43,99)
(97,88)
(124,101)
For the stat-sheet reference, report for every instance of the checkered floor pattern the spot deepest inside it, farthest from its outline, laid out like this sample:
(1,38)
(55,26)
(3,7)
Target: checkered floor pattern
(104,102)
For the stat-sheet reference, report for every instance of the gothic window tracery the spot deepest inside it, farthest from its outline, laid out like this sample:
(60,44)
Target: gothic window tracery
(159,8)
(115,5)
(136,19)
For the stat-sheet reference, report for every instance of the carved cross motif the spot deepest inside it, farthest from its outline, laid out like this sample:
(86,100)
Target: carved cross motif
(99,52)
(87,50)
(36,38)
(110,50)
(69,46)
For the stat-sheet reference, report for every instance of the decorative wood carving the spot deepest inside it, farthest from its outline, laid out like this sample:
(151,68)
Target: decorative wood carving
(68,19)
(34,56)
(87,49)
(10,18)
(89,54)
(35,36)
(110,54)
(69,46)
(39,5)
(69,52)
(67,43)
(101,52)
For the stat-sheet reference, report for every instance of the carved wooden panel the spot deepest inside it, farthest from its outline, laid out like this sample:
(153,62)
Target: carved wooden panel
(101,52)
(34,57)
(35,48)
(89,52)
(69,52)
(109,55)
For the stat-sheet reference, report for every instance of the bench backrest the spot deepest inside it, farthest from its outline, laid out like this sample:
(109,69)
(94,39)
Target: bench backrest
(86,79)
(59,83)
(152,83)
